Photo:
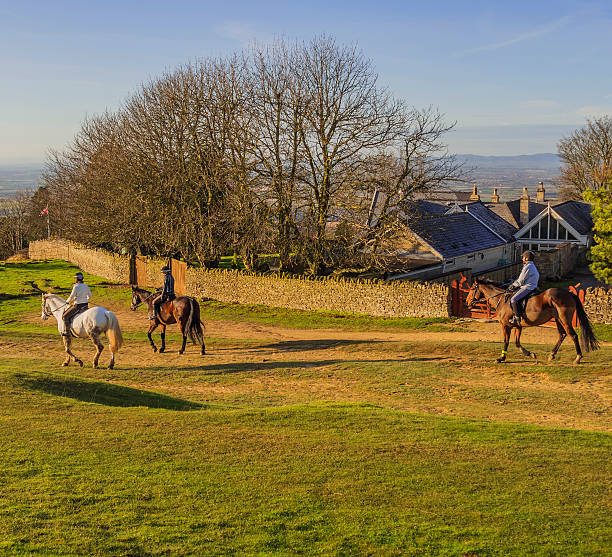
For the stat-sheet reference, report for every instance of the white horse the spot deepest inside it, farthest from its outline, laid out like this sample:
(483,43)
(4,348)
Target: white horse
(89,324)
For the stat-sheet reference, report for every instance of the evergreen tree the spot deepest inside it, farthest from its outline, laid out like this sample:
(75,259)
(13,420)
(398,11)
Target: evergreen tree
(601,252)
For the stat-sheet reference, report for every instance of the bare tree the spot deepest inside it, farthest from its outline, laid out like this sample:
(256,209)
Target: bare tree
(346,117)
(586,157)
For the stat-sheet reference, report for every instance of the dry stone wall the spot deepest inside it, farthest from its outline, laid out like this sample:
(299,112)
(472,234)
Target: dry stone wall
(398,299)
(395,299)
(598,304)
(115,268)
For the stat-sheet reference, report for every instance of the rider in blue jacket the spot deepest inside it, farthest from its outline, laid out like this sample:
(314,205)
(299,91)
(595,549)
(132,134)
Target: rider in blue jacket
(167,293)
(526,282)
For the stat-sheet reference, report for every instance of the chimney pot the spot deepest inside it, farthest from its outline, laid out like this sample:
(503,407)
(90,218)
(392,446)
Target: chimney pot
(524,208)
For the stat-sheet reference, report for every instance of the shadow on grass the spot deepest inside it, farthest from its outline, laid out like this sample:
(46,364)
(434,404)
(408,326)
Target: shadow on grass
(316,344)
(240,367)
(105,393)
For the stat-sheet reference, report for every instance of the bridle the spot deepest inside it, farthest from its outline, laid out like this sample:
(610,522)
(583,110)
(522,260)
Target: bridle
(489,298)
(140,302)
(46,312)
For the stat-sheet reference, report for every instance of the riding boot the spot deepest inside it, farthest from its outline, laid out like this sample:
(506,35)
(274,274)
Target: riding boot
(516,318)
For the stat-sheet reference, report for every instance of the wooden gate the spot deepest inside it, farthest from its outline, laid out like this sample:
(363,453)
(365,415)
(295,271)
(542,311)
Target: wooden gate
(482,309)
(138,271)
(179,272)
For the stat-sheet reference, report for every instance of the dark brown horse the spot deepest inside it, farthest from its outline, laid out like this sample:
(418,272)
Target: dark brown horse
(182,310)
(555,303)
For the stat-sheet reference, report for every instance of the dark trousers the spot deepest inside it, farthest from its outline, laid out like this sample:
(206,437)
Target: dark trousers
(70,314)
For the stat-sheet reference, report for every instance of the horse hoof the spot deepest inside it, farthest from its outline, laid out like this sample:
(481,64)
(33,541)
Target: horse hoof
(64,364)
(181,351)
(80,363)
(500,360)
(111,366)
(577,360)
(533,355)
(551,357)
(162,350)
(154,349)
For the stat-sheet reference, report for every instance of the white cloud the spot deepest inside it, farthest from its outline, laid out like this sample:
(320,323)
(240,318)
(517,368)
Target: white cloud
(594,111)
(538,104)
(537,32)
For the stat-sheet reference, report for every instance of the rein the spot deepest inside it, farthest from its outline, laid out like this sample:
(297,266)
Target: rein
(140,302)
(47,311)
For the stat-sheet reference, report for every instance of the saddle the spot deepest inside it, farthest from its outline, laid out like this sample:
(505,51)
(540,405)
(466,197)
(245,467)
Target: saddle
(522,303)
(78,309)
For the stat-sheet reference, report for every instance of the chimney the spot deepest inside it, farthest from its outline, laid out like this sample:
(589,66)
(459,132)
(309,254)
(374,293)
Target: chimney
(541,193)
(495,197)
(524,208)
(475,196)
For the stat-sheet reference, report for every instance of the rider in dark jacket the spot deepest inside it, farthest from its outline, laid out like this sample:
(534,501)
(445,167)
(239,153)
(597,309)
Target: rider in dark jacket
(167,293)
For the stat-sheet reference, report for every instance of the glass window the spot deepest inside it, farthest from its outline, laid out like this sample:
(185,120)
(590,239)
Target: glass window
(544,227)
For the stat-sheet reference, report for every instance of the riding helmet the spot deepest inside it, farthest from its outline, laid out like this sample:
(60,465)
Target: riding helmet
(165,269)
(78,276)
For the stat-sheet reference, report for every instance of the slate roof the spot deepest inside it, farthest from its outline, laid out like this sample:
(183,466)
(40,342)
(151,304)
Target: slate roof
(454,235)
(492,220)
(424,207)
(510,211)
(577,214)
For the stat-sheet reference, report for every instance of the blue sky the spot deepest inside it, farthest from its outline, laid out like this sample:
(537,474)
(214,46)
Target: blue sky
(515,76)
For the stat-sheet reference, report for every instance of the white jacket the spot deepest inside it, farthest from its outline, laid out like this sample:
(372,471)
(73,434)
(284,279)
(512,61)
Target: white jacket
(80,294)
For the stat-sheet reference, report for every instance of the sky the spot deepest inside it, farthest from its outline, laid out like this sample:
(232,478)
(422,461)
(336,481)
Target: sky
(515,76)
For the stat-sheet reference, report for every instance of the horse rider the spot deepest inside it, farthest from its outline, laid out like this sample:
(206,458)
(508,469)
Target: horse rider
(79,297)
(167,293)
(526,282)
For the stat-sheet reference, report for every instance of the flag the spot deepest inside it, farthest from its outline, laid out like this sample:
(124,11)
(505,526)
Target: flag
(45,211)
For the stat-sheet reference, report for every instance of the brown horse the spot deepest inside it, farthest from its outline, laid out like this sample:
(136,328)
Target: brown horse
(182,310)
(555,303)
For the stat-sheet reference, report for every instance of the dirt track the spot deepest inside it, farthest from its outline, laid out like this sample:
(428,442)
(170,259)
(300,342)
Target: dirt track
(430,372)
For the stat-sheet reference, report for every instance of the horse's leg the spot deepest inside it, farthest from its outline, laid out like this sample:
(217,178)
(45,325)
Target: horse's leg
(517,341)
(506,332)
(95,338)
(182,324)
(163,339)
(69,353)
(152,327)
(566,321)
(562,335)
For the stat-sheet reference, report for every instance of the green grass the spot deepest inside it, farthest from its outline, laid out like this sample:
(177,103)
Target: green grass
(332,479)
(257,450)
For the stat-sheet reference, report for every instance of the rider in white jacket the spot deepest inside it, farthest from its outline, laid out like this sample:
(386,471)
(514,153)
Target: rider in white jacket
(80,296)
(526,282)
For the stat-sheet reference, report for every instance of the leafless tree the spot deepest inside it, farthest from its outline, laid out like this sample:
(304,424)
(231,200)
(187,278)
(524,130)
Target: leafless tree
(586,157)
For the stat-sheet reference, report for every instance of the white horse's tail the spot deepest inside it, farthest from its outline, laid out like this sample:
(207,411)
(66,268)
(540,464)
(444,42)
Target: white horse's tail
(113,333)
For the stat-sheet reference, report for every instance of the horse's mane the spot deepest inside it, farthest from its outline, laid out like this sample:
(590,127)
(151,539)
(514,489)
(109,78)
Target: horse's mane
(491,283)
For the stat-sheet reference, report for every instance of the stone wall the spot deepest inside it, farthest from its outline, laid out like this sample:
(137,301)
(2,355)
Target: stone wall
(397,299)
(598,304)
(561,261)
(115,268)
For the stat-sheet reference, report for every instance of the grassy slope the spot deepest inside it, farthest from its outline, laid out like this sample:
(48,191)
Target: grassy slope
(90,467)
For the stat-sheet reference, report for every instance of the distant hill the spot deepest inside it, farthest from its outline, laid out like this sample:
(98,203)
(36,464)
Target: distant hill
(509,174)
(549,162)
(19,177)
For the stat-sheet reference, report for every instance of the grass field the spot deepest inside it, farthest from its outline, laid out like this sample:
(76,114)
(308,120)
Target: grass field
(298,434)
